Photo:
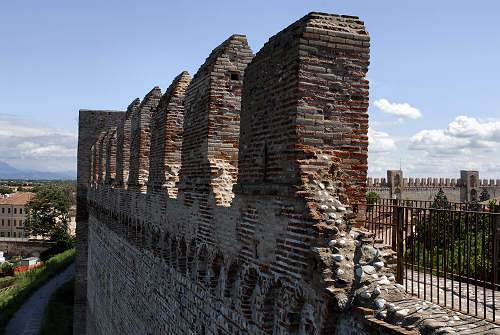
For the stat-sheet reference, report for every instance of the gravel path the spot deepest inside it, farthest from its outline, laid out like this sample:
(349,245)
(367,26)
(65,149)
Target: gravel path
(28,318)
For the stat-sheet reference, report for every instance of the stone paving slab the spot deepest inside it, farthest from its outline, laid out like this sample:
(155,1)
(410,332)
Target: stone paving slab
(453,294)
(28,318)
(457,294)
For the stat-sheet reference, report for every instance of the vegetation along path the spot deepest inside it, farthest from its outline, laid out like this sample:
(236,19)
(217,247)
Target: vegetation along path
(28,318)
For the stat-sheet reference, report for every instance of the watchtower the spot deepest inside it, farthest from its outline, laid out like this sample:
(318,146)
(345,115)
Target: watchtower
(395,183)
(469,185)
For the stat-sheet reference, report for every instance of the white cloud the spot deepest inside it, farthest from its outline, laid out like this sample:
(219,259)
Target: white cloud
(466,143)
(469,127)
(462,135)
(380,141)
(29,147)
(387,123)
(402,110)
(12,128)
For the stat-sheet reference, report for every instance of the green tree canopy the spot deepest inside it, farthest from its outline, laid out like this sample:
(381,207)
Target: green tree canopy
(372,198)
(48,212)
(484,195)
(441,200)
(6,191)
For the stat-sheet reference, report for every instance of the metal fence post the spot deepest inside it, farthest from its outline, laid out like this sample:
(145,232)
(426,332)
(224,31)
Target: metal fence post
(399,243)
(393,226)
(496,235)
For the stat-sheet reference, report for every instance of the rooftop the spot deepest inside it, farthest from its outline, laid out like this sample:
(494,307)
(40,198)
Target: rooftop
(18,198)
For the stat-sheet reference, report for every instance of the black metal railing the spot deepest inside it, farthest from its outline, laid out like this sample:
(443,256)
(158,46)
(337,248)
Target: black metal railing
(449,256)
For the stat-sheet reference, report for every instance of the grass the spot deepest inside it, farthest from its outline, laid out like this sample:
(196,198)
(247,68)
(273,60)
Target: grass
(2,279)
(28,282)
(58,316)
(6,281)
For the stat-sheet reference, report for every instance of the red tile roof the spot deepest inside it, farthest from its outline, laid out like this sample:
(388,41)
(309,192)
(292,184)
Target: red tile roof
(18,198)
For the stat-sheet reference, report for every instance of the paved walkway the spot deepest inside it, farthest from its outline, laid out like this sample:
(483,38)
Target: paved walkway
(457,294)
(28,318)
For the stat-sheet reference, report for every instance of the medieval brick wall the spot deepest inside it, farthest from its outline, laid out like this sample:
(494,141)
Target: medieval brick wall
(91,123)
(457,190)
(166,138)
(213,232)
(237,197)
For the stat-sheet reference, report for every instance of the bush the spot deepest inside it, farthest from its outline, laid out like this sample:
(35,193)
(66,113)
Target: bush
(372,197)
(7,268)
(62,244)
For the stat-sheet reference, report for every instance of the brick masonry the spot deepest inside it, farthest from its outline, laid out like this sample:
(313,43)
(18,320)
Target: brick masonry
(237,197)
(91,122)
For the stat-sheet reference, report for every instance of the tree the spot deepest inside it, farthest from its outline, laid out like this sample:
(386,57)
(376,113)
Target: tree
(492,205)
(372,198)
(484,195)
(47,214)
(474,204)
(441,200)
(6,191)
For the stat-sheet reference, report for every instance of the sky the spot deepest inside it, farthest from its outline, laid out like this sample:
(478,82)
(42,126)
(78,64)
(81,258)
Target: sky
(434,71)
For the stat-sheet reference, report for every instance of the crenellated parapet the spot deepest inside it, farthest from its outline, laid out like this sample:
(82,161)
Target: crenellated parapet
(232,203)
(234,176)
(110,164)
(123,145)
(461,189)
(166,138)
(212,105)
(140,140)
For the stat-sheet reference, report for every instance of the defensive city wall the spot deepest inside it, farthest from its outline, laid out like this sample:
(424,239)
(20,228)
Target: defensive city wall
(463,189)
(232,202)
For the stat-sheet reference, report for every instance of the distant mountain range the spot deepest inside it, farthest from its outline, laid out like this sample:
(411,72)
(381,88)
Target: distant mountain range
(10,172)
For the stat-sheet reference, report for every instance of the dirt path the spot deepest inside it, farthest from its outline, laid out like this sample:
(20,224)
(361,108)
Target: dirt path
(28,318)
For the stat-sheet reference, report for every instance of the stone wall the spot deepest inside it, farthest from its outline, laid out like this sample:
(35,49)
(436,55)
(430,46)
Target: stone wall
(23,248)
(457,190)
(238,197)
(91,123)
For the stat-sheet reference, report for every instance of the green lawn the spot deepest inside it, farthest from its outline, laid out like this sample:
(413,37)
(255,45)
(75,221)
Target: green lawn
(58,316)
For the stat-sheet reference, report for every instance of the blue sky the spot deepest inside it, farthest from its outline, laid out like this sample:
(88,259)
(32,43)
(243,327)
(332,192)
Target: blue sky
(433,76)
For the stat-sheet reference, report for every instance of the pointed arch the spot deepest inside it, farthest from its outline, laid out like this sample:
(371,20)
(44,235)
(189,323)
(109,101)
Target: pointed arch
(232,276)
(250,280)
(269,307)
(216,268)
(293,316)
(173,253)
(166,247)
(191,266)
(182,260)
(202,266)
